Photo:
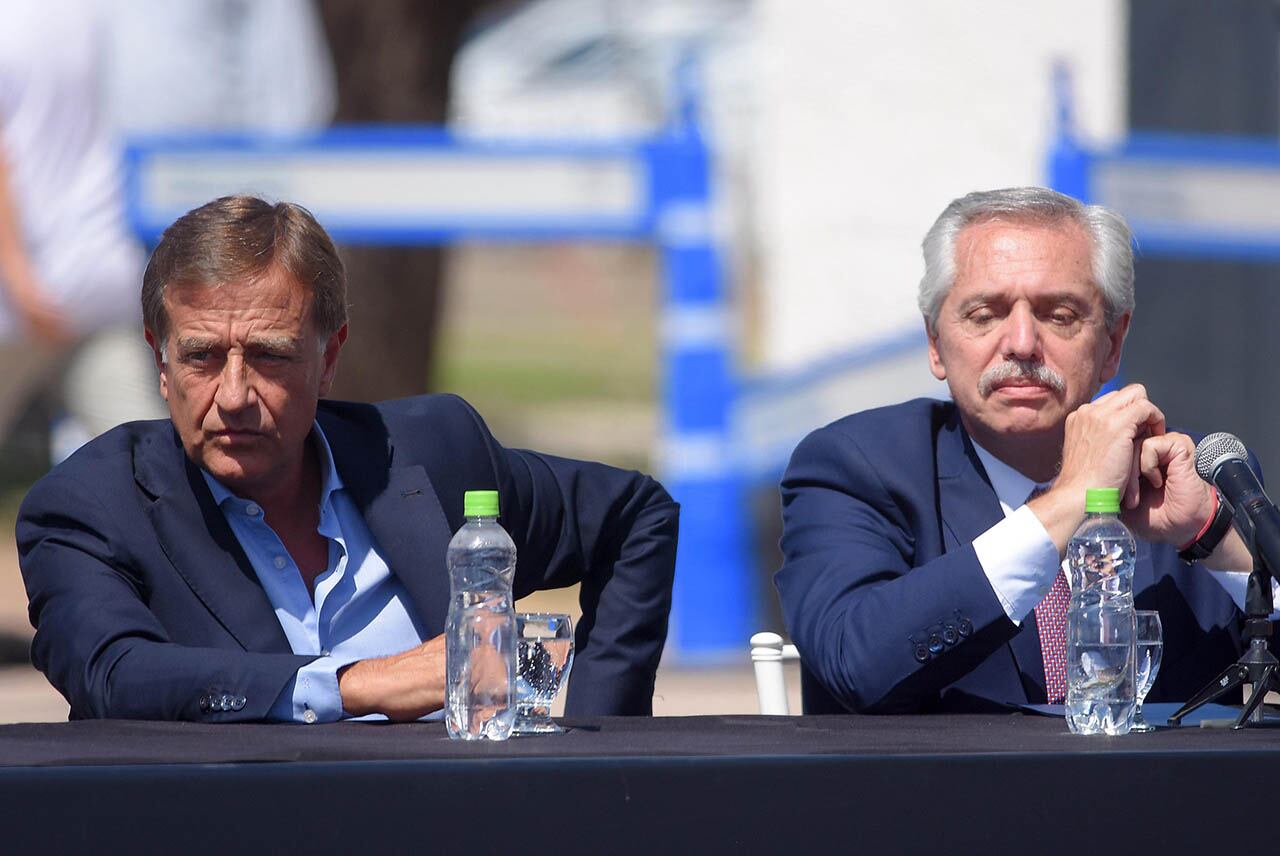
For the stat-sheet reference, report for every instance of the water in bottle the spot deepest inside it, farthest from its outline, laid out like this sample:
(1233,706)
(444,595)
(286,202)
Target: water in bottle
(1101,678)
(480,634)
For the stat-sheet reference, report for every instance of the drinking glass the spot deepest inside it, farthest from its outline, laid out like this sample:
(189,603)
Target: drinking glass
(1149,638)
(544,655)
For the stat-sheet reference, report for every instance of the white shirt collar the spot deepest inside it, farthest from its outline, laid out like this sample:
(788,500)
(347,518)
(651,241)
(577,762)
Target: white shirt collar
(1012,487)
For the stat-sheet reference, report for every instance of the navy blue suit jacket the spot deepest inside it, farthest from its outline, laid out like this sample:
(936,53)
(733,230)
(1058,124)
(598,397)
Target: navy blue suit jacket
(885,599)
(144,602)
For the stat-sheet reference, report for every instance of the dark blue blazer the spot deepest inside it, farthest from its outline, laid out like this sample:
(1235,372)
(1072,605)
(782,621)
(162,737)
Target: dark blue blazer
(885,599)
(144,602)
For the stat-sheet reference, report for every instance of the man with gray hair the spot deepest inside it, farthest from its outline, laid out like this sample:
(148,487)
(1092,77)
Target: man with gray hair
(923,542)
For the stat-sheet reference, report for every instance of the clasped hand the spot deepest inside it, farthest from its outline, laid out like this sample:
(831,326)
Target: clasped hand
(1119,440)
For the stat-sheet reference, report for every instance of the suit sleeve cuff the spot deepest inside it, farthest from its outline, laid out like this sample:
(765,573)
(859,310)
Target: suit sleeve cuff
(1020,561)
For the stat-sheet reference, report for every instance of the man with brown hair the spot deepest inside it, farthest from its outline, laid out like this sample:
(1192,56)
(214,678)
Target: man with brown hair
(264,554)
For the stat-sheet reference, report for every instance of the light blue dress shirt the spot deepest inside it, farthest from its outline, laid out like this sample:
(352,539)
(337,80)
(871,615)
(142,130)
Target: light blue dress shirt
(360,610)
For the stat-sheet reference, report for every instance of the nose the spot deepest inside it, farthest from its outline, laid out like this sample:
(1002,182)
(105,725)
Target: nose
(1021,335)
(234,390)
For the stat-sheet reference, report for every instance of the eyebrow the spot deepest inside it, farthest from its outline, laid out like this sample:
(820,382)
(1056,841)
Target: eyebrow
(188,344)
(275,343)
(1065,299)
(997,297)
(979,299)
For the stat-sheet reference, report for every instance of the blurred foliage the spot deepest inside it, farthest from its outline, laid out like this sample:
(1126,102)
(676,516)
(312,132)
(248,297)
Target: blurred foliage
(529,368)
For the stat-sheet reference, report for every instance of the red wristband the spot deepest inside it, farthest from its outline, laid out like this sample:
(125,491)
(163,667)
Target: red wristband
(1205,528)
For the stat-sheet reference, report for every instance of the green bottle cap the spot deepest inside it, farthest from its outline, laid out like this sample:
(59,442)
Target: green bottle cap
(1102,500)
(480,503)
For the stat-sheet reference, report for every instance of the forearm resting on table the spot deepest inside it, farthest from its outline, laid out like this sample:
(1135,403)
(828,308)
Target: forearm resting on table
(403,686)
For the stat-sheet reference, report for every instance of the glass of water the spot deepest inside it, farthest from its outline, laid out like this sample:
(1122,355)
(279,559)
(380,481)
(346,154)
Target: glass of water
(544,655)
(1149,639)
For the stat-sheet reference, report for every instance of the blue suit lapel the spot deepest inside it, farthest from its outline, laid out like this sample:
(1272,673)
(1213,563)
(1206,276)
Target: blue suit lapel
(966,500)
(968,506)
(403,513)
(201,546)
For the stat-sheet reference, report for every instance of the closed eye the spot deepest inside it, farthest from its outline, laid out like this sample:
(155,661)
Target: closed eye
(981,316)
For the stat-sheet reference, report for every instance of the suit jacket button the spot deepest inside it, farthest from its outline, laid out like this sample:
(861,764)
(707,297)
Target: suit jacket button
(935,643)
(922,653)
(238,702)
(950,635)
(965,627)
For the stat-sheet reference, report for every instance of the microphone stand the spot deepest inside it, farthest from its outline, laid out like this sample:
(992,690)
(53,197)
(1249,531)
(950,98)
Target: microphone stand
(1257,666)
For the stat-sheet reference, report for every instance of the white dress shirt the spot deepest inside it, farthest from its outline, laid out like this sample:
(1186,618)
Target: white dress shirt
(1021,560)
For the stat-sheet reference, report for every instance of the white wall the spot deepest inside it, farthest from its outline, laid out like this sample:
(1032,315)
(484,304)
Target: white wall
(872,116)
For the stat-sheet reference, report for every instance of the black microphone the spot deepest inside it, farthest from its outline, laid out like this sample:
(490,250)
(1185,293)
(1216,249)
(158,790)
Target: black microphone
(1223,461)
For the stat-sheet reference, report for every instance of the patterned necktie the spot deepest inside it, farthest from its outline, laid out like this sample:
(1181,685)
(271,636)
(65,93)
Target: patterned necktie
(1051,620)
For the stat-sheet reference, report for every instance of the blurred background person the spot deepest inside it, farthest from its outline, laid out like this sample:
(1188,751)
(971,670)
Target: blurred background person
(282,67)
(69,267)
(221,66)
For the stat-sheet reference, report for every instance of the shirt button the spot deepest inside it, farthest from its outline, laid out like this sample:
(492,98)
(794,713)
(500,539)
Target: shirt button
(280,562)
(253,509)
(325,652)
(309,716)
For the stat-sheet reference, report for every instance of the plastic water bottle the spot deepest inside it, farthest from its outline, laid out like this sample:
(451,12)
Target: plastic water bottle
(1101,680)
(480,634)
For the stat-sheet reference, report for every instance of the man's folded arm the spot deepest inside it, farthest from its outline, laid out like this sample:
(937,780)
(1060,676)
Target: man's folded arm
(861,616)
(612,530)
(100,645)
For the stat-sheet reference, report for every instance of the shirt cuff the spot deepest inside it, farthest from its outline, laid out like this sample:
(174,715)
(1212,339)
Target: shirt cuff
(312,695)
(1236,584)
(1020,561)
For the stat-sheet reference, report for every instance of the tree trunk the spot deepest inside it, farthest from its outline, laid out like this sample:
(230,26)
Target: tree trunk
(392,59)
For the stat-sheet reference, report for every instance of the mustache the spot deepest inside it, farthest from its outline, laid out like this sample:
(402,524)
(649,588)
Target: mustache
(1010,369)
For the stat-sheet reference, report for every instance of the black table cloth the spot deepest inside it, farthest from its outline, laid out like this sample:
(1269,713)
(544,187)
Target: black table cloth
(956,784)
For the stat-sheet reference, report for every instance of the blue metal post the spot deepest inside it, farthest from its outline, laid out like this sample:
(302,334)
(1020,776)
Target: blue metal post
(713,605)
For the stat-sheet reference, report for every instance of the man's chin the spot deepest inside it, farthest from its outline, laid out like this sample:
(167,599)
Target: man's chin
(1024,418)
(233,469)
(1028,426)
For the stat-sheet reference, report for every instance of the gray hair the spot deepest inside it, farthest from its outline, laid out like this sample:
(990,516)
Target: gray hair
(1110,235)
